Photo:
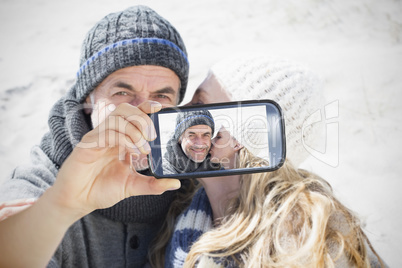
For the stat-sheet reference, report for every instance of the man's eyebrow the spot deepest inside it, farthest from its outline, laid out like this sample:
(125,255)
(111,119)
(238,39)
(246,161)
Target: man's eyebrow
(204,133)
(167,90)
(124,85)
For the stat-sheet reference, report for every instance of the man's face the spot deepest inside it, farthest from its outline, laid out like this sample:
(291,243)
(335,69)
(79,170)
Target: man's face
(134,85)
(196,142)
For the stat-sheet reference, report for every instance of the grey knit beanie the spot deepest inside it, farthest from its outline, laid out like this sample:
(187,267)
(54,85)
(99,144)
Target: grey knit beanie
(184,120)
(132,37)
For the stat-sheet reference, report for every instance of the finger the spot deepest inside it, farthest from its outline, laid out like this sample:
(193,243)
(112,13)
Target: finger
(18,202)
(138,117)
(150,107)
(121,126)
(163,185)
(134,135)
(147,185)
(116,131)
(109,139)
(124,142)
(10,211)
(167,105)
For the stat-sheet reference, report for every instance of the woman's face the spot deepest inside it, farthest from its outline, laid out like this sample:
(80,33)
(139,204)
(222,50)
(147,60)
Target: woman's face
(222,150)
(210,91)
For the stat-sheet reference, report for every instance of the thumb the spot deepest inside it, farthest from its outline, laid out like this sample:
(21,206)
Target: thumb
(147,185)
(163,185)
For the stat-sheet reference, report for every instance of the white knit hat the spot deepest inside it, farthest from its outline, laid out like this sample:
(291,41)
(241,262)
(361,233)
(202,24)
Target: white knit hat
(254,136)
(251,133)
(296,89)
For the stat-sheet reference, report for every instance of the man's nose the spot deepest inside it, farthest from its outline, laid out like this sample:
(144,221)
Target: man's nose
(138,100)
(199,141)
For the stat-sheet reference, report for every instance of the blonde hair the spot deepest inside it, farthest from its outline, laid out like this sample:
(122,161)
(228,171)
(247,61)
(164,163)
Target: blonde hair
(286,218)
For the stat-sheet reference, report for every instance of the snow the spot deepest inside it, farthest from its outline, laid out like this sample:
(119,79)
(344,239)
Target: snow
(355,46)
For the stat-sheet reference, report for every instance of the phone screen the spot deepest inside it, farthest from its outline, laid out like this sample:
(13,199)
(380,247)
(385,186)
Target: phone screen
(217,139)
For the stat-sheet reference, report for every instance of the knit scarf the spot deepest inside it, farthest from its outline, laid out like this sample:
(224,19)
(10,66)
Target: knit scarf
(190,226)
(68,124)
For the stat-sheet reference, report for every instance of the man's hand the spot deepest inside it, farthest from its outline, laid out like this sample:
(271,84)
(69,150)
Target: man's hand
(99,172)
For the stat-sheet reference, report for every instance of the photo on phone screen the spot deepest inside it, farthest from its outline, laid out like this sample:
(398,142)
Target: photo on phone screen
(217,139)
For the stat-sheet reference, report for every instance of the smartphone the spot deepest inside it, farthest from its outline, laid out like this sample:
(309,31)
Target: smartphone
(218,139)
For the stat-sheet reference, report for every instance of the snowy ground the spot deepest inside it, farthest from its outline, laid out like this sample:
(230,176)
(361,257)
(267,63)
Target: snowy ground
(355,46)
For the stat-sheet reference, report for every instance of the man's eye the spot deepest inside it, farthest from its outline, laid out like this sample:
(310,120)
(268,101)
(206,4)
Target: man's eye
(162,97)
(121,93)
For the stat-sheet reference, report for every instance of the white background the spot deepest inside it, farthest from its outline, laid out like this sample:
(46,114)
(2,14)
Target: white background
(354,45)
